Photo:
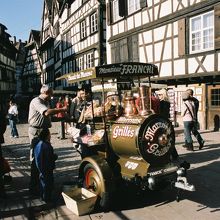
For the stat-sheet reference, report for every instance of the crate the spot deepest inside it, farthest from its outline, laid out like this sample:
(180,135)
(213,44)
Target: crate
(79,200)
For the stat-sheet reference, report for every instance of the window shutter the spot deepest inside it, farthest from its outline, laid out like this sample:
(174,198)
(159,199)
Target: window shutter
(143,3)
(117,52)
(108,7)
(123,50)
(121,7)
(181,37)
(217,26)
(135,46)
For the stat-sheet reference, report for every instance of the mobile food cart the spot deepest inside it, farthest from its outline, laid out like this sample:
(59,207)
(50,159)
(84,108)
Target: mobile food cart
(127,144)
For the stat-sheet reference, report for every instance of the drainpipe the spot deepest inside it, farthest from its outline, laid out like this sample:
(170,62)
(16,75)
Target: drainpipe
(206,106)
(101,34)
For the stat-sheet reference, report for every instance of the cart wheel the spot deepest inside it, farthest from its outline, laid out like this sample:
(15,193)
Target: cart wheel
(93,183)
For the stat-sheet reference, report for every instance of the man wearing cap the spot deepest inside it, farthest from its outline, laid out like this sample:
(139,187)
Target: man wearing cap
(39,119)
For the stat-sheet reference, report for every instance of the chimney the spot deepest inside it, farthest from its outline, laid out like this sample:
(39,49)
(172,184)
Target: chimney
(14,40)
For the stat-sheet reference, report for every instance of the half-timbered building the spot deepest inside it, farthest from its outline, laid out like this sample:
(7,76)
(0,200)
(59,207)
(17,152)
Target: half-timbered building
(181,37)
(83,28)
(47,43)
(31,77)
(7,67)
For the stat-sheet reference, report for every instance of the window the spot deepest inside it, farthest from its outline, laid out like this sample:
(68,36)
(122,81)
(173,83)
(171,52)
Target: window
(57,54)
(115,11)
(46,33)
(83,29)
(94,22)
(80,63)
(202,32)
(133,5)
(90,60)
(215,97)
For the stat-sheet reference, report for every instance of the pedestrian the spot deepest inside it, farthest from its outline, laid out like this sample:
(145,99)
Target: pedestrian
(164,103)
(195,131)
(189,117)
(78,108)
(67,104)
(61,118)
(45,162)
(3,126)
(39,119)
(13,117)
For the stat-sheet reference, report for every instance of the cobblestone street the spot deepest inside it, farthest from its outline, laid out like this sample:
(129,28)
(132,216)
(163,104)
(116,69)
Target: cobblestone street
(202,204)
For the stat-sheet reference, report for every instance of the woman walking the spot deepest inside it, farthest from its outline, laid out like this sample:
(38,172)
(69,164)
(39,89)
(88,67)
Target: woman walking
(12,116)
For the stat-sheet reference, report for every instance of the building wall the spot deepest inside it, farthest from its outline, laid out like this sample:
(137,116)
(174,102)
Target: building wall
(161,34)
(7,68)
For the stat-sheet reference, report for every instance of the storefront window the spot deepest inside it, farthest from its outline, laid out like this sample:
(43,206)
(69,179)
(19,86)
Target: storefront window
(215,97)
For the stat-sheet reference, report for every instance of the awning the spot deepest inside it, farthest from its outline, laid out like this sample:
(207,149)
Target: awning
(118,70)
(198,78)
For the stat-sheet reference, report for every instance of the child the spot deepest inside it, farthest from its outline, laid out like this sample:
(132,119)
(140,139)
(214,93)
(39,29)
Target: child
(45,162)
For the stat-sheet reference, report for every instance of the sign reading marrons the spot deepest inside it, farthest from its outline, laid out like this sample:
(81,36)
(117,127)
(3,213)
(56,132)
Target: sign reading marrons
(127,69)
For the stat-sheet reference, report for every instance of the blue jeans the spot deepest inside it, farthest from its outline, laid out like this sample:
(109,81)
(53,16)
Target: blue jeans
(197,134)
(188,127)
(14,131)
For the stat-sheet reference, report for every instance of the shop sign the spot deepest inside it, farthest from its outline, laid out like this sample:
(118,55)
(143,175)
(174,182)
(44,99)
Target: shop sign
(127,69)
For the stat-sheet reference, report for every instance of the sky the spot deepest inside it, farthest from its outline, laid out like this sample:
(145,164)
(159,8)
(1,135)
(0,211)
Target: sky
(21,16)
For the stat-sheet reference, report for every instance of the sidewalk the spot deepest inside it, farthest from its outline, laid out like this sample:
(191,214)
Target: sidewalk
(202,204)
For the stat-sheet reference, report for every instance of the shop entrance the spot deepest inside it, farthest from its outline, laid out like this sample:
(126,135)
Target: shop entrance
(213,121)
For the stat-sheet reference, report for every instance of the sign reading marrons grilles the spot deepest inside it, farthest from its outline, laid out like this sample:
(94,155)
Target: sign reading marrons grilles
(127,69)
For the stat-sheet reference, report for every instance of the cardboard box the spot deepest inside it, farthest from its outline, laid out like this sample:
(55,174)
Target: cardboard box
(79,200)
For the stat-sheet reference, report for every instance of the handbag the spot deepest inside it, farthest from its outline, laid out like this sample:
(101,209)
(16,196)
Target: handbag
(10,116)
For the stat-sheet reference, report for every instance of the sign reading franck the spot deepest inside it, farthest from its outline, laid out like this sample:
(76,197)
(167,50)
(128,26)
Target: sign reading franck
(127,69)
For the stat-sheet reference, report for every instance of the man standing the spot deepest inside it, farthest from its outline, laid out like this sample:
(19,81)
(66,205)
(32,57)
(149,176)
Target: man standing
(39,119)
(194,129)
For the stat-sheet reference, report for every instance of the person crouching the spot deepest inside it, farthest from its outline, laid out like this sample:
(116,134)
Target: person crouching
(45,162)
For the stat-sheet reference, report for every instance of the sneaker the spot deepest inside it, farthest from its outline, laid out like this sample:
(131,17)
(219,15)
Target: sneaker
(15,136)
(201,144)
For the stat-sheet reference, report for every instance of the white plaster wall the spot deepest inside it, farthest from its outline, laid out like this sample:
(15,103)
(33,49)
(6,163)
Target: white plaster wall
(208,63)
(179,67)
(165,8)
(166,68)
